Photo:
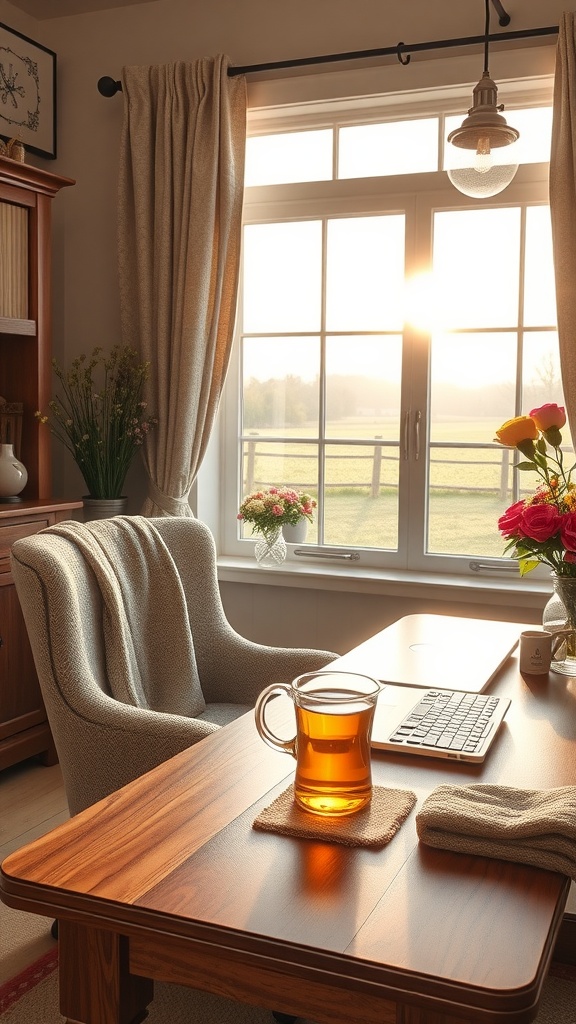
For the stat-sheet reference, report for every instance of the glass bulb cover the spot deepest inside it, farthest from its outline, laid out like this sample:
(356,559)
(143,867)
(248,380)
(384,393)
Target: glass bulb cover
(482,185)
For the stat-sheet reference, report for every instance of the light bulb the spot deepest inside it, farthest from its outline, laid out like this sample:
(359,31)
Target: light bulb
(483,162)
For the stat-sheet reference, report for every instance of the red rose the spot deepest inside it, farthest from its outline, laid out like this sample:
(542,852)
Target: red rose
(568,531)
(540,522)
(508,524)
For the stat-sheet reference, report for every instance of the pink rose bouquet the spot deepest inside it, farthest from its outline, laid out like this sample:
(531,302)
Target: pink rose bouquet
(271,508)
(542,527)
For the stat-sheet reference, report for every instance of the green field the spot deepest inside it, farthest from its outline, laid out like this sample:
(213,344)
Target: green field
(469,488)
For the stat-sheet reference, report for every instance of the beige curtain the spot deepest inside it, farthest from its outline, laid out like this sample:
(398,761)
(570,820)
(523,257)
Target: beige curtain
(180,205)
(563,206)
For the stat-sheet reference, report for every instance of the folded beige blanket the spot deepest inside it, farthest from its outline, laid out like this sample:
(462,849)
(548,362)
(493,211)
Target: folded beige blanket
(150,657)
(529,826)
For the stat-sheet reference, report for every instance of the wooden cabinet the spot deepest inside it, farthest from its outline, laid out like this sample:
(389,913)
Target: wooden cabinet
(26,195)
(24,729)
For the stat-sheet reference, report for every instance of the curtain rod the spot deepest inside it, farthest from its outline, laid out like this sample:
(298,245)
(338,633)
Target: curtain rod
(109,87)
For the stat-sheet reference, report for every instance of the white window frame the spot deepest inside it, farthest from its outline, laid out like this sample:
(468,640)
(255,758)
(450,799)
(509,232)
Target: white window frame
(364,196)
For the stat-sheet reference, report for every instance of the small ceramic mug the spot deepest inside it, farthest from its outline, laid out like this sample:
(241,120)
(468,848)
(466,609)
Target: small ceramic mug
(535,652)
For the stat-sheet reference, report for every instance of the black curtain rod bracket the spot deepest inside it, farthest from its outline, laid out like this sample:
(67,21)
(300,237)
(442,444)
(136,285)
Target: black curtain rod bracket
(503,18)
(109,87)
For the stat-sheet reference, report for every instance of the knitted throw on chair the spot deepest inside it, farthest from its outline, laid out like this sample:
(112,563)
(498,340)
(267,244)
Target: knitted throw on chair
(148,643)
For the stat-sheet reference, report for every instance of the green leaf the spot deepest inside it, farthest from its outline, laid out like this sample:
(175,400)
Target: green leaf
(526,565)
(525,465)
(541,445)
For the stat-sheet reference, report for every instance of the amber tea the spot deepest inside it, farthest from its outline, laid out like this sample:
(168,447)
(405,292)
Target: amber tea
(333,775)
(334,714)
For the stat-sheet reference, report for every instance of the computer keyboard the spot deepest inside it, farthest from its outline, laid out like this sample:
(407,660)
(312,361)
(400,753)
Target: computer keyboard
(451,723)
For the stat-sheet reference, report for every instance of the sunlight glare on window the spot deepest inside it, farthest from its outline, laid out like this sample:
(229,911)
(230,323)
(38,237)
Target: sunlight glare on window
(289,156)
(395,147)
(281,261)
(472,379)
(476,251)
(539,288)
(365,273)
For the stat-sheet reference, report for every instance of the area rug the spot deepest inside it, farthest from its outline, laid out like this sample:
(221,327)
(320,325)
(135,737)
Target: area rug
(36,1001)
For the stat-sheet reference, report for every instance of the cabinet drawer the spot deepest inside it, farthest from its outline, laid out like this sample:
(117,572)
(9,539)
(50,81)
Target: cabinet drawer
(11,531)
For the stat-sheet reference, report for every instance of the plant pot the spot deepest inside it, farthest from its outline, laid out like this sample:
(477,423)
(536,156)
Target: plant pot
(559,616)
(13,475)
(103,508)
(270,549)
(295,534)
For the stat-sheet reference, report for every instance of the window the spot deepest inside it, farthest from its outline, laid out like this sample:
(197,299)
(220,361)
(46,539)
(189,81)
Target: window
(387,326)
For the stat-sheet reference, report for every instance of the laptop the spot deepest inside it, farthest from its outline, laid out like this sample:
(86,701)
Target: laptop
(436,652)
(452,724)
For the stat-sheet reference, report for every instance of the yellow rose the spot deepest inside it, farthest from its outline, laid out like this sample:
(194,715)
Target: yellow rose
(513,432)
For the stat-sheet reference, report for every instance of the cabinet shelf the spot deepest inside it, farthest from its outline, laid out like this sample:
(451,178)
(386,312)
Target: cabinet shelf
(9,325)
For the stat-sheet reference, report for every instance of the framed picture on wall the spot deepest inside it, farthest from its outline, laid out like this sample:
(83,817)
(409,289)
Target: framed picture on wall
(27,92)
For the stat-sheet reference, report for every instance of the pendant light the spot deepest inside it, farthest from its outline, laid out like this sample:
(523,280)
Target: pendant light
(482,131)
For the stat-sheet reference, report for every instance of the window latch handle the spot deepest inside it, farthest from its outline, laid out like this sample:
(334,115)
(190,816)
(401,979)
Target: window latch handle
(417,419)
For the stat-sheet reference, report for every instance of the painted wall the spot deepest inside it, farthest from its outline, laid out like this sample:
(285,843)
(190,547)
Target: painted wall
(249,31)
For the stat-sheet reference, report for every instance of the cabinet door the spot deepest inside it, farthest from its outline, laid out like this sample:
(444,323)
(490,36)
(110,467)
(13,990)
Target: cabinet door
(21,703)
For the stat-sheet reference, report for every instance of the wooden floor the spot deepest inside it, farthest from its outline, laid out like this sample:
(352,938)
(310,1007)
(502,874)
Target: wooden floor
(32,801)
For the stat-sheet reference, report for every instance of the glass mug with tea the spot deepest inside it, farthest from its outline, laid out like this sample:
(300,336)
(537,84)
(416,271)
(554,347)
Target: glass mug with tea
(334,715)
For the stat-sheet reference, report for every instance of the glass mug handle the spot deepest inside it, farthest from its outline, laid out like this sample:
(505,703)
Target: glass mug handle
(286,746)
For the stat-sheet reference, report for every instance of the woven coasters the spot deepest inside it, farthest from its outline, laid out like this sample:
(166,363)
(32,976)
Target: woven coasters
(374,825)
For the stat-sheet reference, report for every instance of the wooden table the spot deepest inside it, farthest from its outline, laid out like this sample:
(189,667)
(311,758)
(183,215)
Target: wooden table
(166,879)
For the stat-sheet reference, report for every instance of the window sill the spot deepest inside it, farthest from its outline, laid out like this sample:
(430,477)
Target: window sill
(449,588)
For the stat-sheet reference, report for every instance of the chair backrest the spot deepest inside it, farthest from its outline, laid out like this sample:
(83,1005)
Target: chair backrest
(64,614)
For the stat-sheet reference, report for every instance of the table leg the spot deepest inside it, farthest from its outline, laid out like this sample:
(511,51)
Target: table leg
(96,986)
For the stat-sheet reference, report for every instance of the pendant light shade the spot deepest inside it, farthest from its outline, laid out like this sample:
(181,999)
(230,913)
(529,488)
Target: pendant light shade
(483,130)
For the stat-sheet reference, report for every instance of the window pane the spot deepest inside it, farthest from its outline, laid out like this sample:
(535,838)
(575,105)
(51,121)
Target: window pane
(361,498)
(289,156)
(468,490)
(363,387)
(365,274)
(280,262)
(539,287)
(280,385)
(472,385)
(396,147)
(542,380)
(476,267)
(278,463)
(533,146)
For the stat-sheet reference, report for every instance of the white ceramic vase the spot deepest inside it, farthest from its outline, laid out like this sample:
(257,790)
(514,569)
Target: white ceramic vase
(295,534)
(13,474)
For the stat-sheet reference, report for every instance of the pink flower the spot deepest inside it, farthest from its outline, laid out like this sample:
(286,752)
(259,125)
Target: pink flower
(509,523)
(568,531)
(277,510)
(540,522)
(549,415)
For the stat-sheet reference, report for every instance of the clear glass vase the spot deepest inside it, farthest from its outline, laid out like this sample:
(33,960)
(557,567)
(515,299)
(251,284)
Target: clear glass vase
(559,616)
(270,549)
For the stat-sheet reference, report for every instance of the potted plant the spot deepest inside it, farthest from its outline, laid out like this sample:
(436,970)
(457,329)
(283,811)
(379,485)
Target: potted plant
(99,416)
(270,512)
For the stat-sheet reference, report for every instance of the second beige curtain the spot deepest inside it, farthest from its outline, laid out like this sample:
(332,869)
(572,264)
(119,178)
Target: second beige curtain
(563,206)
(180,206)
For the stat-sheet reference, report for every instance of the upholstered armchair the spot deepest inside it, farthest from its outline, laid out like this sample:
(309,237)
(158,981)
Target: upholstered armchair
(135,656)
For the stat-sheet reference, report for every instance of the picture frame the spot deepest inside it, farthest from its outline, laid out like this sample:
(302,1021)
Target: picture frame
(27,92)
